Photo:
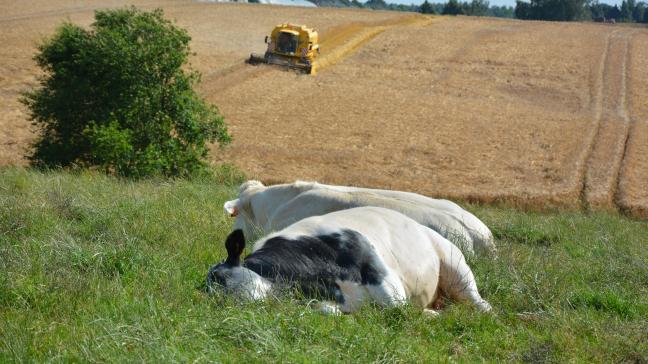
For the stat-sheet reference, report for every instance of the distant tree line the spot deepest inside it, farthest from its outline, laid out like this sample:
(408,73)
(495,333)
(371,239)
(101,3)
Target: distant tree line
(630,11)
(454,7)
(557,10)
(567,10)
(472,8)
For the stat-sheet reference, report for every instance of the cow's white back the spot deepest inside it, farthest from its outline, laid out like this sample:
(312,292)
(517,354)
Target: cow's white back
(264,209)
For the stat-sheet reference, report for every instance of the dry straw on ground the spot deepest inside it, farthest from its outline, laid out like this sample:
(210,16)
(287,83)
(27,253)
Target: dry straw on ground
(535,114)
(632,195)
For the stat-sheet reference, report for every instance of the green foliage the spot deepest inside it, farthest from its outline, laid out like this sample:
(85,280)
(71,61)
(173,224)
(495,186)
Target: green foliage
(477,8)
(609,301)
(638,13)
(630,10)
(110,145)
(473,8)
(626,10)
(331,3)
(116,96)
(101,269)
(375,4)
(452,7)
(522,9)
(603,11)
(560,10)
(502,11)
(426,8)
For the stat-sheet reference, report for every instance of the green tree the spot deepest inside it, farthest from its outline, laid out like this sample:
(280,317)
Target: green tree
(452,7)
(562,10)
(477,8)
(638,12)
(626,10)
(376,4)
(501,11)
(426,8)
(523,10)
(116,96)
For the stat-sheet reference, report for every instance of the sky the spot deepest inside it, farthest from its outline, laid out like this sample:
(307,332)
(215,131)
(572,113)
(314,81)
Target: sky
(492,2)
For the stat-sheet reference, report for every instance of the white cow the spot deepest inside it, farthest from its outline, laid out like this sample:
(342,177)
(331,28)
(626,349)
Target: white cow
(346,257)
(260,210)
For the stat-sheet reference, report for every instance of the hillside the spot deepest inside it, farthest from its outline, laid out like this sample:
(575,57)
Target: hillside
(534,114)
(97,269)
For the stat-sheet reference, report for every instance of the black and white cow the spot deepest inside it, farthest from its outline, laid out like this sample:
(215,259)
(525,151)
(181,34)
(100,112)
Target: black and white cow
(348,256)
(262,209)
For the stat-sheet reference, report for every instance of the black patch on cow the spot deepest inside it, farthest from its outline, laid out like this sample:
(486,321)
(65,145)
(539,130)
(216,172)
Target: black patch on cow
(235,244)
(219,273)
(314,263)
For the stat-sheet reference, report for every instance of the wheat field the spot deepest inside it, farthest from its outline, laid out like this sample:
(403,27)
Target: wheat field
(532,114)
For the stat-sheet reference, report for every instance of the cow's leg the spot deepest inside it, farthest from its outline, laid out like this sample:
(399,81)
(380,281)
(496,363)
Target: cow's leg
(457,280)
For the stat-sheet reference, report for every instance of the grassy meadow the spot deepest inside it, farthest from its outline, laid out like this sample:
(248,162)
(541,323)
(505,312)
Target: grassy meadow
(98,269)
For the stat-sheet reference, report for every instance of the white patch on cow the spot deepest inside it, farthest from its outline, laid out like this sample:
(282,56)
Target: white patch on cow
(247,284)
(304,184)
(250,185)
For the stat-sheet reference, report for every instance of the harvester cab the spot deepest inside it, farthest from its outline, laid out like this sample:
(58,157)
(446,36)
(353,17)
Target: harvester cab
(290,46)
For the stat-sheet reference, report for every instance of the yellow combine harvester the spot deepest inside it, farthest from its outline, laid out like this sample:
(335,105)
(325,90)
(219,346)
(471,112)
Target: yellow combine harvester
(291,46)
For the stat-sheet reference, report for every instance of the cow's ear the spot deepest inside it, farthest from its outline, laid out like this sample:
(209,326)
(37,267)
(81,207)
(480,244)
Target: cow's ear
(235,244)
(231,207)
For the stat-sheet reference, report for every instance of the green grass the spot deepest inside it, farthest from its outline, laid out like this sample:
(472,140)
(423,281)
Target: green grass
(94,268)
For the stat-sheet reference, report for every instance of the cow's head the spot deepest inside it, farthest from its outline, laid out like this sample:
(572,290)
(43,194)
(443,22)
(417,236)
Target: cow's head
(242,208)
(231,277)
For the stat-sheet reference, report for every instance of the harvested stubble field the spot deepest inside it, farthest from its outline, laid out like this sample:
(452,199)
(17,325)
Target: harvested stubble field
(535,114)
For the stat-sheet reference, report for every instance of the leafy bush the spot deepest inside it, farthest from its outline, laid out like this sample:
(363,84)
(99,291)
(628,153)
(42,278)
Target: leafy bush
(117,97)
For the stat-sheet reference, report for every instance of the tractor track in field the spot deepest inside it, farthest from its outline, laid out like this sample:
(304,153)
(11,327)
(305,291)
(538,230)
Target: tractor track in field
(631,120)
(336,43)
(607,146)
(217,82)
(596,105)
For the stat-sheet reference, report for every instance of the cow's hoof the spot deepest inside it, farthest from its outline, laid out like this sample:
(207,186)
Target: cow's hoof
(328,308)
(430,313)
